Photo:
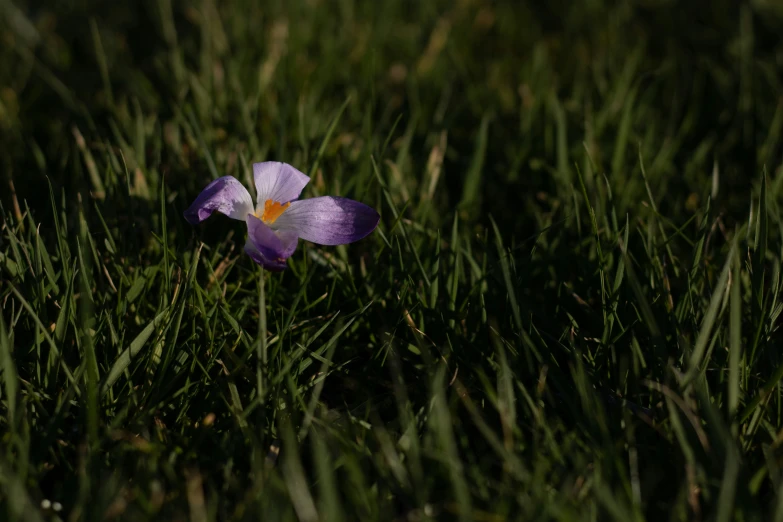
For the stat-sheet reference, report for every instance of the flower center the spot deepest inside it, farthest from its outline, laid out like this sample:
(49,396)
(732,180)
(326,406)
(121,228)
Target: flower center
(272,211)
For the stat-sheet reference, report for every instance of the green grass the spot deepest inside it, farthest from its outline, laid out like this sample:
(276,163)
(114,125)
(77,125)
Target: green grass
(569,311)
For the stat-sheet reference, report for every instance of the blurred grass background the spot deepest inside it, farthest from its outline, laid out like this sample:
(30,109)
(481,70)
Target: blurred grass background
(569,310)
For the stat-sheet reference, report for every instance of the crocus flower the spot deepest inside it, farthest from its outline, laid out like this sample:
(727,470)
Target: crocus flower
(279,219)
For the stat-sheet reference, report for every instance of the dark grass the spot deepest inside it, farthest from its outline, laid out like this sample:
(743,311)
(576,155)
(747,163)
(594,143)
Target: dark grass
(569,310)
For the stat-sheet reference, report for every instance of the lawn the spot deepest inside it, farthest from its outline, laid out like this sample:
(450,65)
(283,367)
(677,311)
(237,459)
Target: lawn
(569,310)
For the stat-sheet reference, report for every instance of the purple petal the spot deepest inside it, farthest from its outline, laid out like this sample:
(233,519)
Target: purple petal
(225,195)
(278,181)
(261,259)
(266,247)
(328,220)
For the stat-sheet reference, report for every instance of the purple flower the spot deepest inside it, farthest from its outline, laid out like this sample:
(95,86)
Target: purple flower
(279,219)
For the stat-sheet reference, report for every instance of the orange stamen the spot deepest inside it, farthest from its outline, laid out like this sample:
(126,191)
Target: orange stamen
(272,211)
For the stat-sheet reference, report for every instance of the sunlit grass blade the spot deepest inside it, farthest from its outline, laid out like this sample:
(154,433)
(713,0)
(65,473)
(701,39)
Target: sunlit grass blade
(710,318)
(10,376)
(126,357)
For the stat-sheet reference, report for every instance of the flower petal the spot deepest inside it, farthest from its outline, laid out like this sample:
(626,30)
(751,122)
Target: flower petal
(267,247)
(278,181)
(258,257)
(226,195)
(328,220)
